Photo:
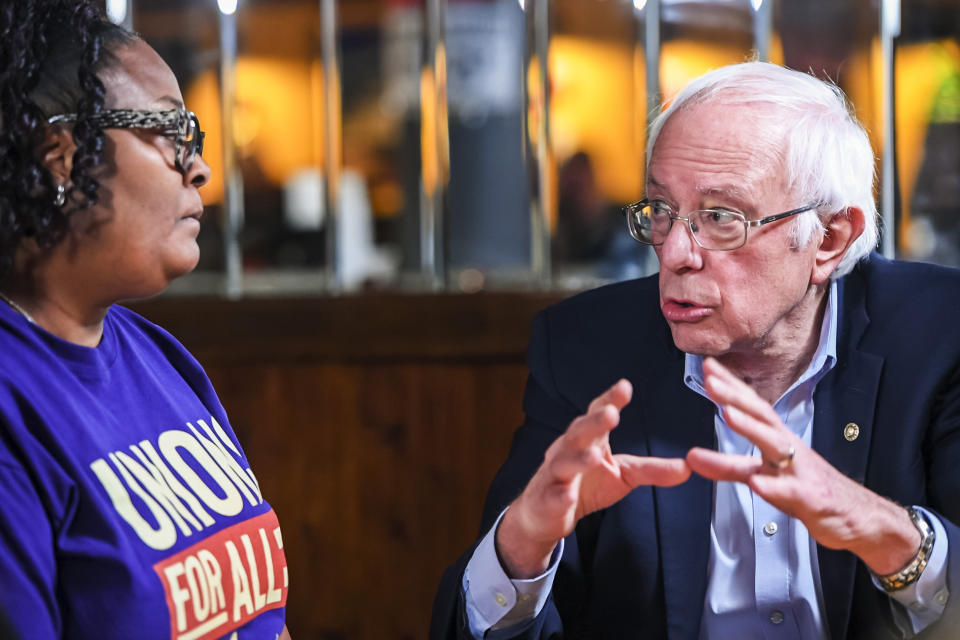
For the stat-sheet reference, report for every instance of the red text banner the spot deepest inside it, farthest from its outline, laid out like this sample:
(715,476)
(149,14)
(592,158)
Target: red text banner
(224,581)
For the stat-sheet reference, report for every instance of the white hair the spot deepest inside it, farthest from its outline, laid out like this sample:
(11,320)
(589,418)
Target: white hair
(826,153)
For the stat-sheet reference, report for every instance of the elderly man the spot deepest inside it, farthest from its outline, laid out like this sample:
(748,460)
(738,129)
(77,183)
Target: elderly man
(777,456)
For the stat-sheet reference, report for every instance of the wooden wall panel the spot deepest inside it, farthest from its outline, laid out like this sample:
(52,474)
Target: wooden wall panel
(374,427)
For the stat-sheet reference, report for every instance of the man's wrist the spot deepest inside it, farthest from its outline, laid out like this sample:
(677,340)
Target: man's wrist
(911,571)
(521,557)
(891,539)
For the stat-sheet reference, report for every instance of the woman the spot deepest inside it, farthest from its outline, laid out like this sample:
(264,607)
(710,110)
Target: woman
(127,508)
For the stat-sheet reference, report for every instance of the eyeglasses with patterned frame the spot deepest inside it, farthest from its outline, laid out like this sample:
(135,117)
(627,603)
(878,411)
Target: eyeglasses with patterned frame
(717,229)
(178,124)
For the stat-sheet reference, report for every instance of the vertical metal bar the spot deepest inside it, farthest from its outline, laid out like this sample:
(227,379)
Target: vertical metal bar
(233,213)
(889,29)
(651,43)
(544,209)
(639,94)
(330,60)
(762,27)
(434,147)
(128,17)
(121,12)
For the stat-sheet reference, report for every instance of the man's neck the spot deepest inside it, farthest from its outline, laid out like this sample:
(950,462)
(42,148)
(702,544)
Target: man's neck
(777,361)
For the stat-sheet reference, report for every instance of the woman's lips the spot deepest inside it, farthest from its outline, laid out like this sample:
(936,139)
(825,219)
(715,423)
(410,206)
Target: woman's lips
(683,310)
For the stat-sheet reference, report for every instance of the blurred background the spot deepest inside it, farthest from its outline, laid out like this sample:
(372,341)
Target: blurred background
(468,144)
(398,186)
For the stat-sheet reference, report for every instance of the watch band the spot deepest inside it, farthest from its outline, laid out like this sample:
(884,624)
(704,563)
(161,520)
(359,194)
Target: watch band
(910,573)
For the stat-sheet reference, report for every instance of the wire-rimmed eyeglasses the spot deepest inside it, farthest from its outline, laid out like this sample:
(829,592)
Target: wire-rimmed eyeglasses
(649,222)
(179,125)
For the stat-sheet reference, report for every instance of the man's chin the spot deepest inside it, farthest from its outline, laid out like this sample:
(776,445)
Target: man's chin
(698,342)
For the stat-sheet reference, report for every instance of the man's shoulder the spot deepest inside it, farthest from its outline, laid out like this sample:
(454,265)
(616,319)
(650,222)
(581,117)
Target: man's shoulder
(590,340)
(898,286)
(877,268)
(907,308)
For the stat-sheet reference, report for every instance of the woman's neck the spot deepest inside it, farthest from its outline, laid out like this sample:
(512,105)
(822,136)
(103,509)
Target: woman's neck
(57,306)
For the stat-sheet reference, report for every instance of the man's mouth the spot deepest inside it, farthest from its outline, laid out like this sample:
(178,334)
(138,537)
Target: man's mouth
(675,310)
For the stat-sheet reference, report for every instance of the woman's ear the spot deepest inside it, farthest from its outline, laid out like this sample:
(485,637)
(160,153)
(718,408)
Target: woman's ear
(56,153)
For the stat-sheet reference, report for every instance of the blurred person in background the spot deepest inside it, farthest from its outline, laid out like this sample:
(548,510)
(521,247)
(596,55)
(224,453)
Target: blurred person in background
(590,233)
(129,509)
(759,441)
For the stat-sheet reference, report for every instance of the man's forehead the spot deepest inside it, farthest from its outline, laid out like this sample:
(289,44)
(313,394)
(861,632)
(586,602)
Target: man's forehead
(719,150)
(731,189)
(756,127)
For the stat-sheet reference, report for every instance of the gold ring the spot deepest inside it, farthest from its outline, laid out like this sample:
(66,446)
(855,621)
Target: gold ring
(784,462)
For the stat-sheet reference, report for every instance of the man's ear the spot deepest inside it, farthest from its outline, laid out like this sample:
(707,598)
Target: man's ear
(56,153)
(842,229)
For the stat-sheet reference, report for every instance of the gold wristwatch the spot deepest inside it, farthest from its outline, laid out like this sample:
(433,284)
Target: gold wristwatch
(910,573)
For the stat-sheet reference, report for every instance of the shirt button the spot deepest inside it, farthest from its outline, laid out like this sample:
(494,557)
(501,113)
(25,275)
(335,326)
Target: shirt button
(770,528)
(501,599)
(776,616)
(941,597)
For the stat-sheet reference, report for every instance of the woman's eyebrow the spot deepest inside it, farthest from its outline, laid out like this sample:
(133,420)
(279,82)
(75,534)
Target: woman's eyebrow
(175,101)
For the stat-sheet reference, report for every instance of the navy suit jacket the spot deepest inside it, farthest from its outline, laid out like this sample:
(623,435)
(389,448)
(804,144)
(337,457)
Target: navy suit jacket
(639,568)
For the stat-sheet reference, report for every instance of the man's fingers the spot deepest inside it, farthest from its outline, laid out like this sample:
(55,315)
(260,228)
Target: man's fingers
(595,424)
(725,388)
(662,472)
(570,462)
(602,415)
(577,448)
(747,413)
(774,443)
(724,467)
(618,395)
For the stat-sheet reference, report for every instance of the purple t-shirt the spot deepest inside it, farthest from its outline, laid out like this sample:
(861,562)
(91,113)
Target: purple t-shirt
(127,507)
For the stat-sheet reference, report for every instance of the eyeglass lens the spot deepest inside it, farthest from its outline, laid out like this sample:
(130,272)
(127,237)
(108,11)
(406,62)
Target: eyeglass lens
(190,142)
(712,228)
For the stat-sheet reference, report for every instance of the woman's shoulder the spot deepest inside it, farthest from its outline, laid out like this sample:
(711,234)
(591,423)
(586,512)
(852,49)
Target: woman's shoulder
(136,332)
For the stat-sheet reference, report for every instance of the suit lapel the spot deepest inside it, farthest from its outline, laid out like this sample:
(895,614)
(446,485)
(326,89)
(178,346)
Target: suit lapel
(846,396)
(676,419)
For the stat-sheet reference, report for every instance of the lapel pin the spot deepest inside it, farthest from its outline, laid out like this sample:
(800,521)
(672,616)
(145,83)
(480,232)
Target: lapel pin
(851,432)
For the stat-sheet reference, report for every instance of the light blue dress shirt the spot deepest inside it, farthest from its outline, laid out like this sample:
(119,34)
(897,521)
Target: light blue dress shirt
(764,579)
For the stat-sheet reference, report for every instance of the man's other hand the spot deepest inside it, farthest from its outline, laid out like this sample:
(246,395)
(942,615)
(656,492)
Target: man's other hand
(838,512)
(579,475)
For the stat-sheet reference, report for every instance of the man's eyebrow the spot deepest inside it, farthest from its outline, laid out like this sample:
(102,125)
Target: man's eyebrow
(732,191)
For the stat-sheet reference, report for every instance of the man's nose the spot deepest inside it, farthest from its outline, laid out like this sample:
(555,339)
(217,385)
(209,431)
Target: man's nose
(679,250)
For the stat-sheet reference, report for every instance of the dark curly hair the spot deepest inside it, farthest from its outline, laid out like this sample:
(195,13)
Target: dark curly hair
(50,54)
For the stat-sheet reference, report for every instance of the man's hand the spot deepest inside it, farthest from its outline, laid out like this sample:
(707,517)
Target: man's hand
(838,512)
(579,475)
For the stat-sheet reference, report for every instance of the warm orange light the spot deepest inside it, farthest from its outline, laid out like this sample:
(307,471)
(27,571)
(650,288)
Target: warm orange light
(921,69)
(682,60)
(592,109)
(277,120)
